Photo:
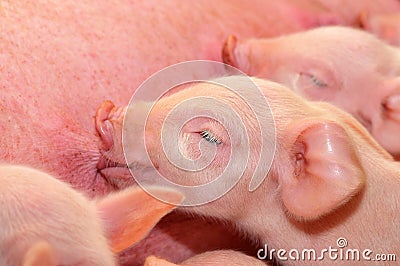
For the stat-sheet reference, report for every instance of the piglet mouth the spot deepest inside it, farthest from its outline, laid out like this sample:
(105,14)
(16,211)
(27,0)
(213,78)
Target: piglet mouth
(108,122)
(105,162)
(116,173)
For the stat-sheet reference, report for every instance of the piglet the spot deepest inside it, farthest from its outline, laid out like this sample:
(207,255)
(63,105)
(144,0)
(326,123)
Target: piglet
(329,180)
(44,221)
(349,68)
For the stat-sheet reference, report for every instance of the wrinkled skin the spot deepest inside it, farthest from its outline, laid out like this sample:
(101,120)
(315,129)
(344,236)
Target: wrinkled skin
(60,60)
(349,68)
(329,176)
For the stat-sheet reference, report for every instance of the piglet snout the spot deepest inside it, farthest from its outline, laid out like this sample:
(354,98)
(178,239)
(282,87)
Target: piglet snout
(103,126)
(109,121)
(228,50)
(236,53)
(112,165)
(391,106)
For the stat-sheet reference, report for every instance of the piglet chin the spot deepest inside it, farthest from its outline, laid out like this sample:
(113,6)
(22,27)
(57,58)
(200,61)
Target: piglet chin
(118,176)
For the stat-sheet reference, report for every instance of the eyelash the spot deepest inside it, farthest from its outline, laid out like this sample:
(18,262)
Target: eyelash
(210,137)
(316,81)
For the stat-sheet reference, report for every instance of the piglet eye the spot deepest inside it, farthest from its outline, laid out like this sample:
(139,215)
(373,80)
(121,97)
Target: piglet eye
(210,137)
(319,83)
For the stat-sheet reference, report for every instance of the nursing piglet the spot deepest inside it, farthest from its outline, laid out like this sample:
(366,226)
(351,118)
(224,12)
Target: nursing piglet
(349,68)
(44,221)
(329,178)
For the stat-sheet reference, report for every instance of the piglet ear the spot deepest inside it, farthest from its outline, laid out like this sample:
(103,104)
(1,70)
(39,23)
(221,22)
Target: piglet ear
(40,254)
(154,261)
(327,171)
(128,216)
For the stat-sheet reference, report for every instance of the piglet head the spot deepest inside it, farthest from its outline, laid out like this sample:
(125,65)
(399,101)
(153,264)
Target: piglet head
(346,67)
(316,168)
(194,136)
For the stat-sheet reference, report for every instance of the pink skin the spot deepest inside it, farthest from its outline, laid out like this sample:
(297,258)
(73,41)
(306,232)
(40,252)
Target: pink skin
(349,68)
(53,224)
(211,258)
(101,56)
(63,59)
(385,26)
(177,244)
(347,9)
(329,178)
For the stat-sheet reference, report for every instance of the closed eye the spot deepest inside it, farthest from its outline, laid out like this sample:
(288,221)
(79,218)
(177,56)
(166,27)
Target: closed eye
(314,80)
(210,137)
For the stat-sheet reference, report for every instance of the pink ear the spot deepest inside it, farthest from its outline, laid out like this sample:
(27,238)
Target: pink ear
(327,171)
(128,216)
(40,254)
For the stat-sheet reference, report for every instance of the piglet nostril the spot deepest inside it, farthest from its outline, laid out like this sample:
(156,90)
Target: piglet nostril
(391,107)
(384,105)
(102,123)
(392,103)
